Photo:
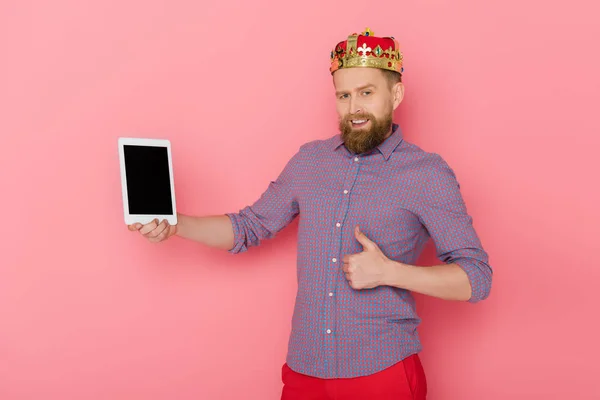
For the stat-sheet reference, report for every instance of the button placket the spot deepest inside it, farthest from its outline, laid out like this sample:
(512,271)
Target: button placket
(333,273)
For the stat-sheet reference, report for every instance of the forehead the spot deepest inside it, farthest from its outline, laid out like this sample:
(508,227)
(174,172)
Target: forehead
(352,78)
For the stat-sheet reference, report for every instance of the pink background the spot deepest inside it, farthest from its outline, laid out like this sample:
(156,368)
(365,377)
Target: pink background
(506,91)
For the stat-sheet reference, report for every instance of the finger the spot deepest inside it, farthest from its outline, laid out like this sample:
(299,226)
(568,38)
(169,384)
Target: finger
(367,243)
(158,234)
(159,238)
(134,227)
(149,227)
(346,259)
(166,233)
(348,267)
(159,229)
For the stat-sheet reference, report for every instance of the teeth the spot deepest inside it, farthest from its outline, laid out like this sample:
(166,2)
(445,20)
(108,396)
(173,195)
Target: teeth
(358,121)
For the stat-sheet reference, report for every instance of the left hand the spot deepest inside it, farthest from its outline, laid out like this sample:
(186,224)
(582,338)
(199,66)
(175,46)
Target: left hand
(367,269)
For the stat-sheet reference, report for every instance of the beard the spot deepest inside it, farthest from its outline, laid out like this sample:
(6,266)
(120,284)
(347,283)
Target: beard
(362,140)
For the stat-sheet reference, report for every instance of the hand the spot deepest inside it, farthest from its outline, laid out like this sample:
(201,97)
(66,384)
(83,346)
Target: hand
(367,269)
(153,231)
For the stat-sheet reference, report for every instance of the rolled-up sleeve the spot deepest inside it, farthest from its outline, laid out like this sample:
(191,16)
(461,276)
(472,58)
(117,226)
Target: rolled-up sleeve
(272,212)
(443,212)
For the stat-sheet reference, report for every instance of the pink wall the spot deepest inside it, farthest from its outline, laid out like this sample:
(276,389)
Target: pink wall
(507,92)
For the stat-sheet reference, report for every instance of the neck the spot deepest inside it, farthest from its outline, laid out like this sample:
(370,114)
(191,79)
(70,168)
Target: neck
(390,131)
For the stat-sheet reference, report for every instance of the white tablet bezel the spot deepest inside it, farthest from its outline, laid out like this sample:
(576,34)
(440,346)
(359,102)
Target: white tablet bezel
(143,218)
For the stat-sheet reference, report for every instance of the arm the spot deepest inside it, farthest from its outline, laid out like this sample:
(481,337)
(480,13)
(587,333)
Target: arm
(235,232)
(214,231)
(465,274)
(446,281)
(272,212)
(372,268)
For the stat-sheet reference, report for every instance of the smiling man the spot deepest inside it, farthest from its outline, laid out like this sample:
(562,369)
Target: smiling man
(367,201)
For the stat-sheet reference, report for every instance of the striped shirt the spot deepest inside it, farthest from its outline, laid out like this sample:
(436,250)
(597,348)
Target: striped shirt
(400,196)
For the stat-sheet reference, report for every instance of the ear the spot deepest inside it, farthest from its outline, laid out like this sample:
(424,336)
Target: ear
(398,93)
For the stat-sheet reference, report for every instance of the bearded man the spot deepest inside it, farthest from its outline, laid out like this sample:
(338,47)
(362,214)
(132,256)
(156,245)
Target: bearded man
(367,202)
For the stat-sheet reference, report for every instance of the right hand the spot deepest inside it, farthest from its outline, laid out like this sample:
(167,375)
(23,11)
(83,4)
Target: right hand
(154,231)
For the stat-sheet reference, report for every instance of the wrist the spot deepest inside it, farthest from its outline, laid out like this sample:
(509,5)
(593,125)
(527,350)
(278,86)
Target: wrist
(393,273)
(176,229)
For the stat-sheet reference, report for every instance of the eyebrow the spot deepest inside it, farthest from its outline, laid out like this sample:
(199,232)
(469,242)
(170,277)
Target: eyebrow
(370,85)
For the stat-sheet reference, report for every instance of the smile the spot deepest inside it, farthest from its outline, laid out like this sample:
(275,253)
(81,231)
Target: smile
(359,122)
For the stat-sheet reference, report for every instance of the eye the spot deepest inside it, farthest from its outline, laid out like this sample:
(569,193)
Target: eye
(367,92)
(344,96)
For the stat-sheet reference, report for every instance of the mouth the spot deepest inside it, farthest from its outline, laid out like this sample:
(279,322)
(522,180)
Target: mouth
(359,123)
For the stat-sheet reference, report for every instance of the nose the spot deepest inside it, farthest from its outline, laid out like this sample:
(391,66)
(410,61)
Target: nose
(354,106)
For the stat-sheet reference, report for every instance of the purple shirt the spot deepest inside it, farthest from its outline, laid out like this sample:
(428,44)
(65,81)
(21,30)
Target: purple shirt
(400,196)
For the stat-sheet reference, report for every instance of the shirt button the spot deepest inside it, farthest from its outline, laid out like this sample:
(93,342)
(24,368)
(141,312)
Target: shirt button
(338,224)
(330,294)
(355,158)
(334,259)
(345,192)
(328,330)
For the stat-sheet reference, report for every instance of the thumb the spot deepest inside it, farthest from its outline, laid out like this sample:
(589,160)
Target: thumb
(367,243)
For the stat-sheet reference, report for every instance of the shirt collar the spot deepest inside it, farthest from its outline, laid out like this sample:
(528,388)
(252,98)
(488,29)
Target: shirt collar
(386,148)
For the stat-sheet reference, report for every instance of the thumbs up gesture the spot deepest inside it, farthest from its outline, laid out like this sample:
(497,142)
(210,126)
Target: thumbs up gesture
(367,269)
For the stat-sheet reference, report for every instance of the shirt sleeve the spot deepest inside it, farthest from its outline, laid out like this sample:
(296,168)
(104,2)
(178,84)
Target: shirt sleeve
(444,214)
(272,212)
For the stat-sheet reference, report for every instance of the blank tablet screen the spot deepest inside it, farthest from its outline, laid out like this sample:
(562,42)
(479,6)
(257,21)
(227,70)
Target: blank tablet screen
(148,180)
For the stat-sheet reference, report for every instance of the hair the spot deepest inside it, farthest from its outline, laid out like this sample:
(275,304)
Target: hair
(392,77)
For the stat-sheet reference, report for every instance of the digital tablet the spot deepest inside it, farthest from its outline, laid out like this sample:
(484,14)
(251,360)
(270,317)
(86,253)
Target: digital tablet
(147,180)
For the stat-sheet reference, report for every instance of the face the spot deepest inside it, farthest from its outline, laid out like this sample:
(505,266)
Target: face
(365,104)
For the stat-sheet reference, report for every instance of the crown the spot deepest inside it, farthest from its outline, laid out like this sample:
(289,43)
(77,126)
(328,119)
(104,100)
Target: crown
(367,50)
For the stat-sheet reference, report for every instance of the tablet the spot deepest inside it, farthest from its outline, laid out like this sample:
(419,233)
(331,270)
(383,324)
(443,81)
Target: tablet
(147,180)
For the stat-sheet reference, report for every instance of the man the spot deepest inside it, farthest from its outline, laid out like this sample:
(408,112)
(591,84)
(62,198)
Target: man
(367,201)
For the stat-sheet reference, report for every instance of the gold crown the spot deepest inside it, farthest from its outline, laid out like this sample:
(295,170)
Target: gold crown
(367,50)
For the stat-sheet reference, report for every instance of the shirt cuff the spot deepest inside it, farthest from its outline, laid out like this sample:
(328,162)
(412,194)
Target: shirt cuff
(239,244)
(480,277)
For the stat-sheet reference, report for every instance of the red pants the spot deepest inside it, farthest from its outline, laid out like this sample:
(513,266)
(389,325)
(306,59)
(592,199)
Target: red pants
(402,381)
